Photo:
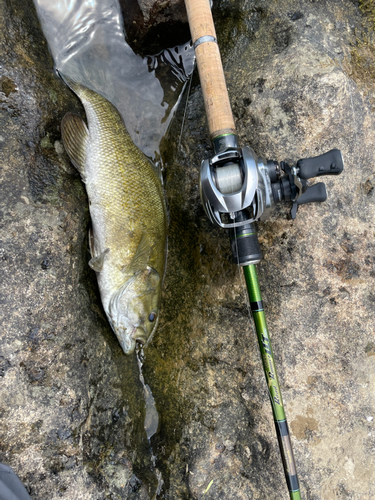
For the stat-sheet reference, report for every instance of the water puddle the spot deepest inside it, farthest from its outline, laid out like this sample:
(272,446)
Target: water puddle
(87,43)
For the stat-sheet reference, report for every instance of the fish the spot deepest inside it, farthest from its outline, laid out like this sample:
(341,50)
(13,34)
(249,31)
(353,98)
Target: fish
(128,235)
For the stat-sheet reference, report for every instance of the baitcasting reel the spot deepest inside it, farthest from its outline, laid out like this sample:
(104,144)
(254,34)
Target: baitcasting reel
(237,188)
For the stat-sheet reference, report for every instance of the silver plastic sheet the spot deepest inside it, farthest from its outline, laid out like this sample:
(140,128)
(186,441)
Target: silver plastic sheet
(87,42)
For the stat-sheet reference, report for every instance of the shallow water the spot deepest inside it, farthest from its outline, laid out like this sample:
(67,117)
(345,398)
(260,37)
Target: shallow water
(87,42)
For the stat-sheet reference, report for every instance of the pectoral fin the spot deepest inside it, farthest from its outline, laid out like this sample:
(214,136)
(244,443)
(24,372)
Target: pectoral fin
(91,242)
(75,136)
(141,256)
(96,263)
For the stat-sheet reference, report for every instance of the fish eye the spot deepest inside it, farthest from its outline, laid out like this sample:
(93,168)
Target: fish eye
(152,317)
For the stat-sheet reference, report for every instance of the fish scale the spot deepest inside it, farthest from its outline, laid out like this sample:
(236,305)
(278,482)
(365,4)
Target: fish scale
(128,216)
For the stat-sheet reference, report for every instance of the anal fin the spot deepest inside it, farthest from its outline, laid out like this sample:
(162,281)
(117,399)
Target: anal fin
(91,242)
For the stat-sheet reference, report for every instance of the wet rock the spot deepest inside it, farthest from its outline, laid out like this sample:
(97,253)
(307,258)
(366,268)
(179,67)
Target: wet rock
(152,26)
(299,80)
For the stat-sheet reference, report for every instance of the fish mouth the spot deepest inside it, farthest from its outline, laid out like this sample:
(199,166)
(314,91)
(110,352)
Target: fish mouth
(139,335)
(128,343)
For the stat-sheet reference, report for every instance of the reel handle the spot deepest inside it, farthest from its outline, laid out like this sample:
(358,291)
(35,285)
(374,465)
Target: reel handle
(316,193)
(330,163)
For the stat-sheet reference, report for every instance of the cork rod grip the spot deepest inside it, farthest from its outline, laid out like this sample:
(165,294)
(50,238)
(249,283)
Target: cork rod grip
(211,74)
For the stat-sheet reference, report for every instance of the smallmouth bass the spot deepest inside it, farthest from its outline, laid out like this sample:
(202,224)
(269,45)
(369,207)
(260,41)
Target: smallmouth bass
(128,238)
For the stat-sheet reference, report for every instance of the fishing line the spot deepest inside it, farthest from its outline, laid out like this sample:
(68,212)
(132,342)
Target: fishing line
(151,420)
(183,118)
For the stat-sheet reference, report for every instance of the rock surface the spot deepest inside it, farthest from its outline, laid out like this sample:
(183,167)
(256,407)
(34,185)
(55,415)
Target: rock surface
(72,409)
(298,75)
(152,26)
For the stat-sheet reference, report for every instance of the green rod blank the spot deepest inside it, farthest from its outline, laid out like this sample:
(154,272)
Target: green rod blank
(274,391)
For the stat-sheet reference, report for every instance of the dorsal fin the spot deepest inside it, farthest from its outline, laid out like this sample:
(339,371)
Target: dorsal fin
(75,136)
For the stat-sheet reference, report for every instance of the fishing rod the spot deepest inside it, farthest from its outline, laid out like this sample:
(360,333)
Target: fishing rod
(237,188)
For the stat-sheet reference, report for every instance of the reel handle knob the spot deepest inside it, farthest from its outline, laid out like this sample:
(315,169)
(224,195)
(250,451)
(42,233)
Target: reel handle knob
(330,163)
(316,193)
